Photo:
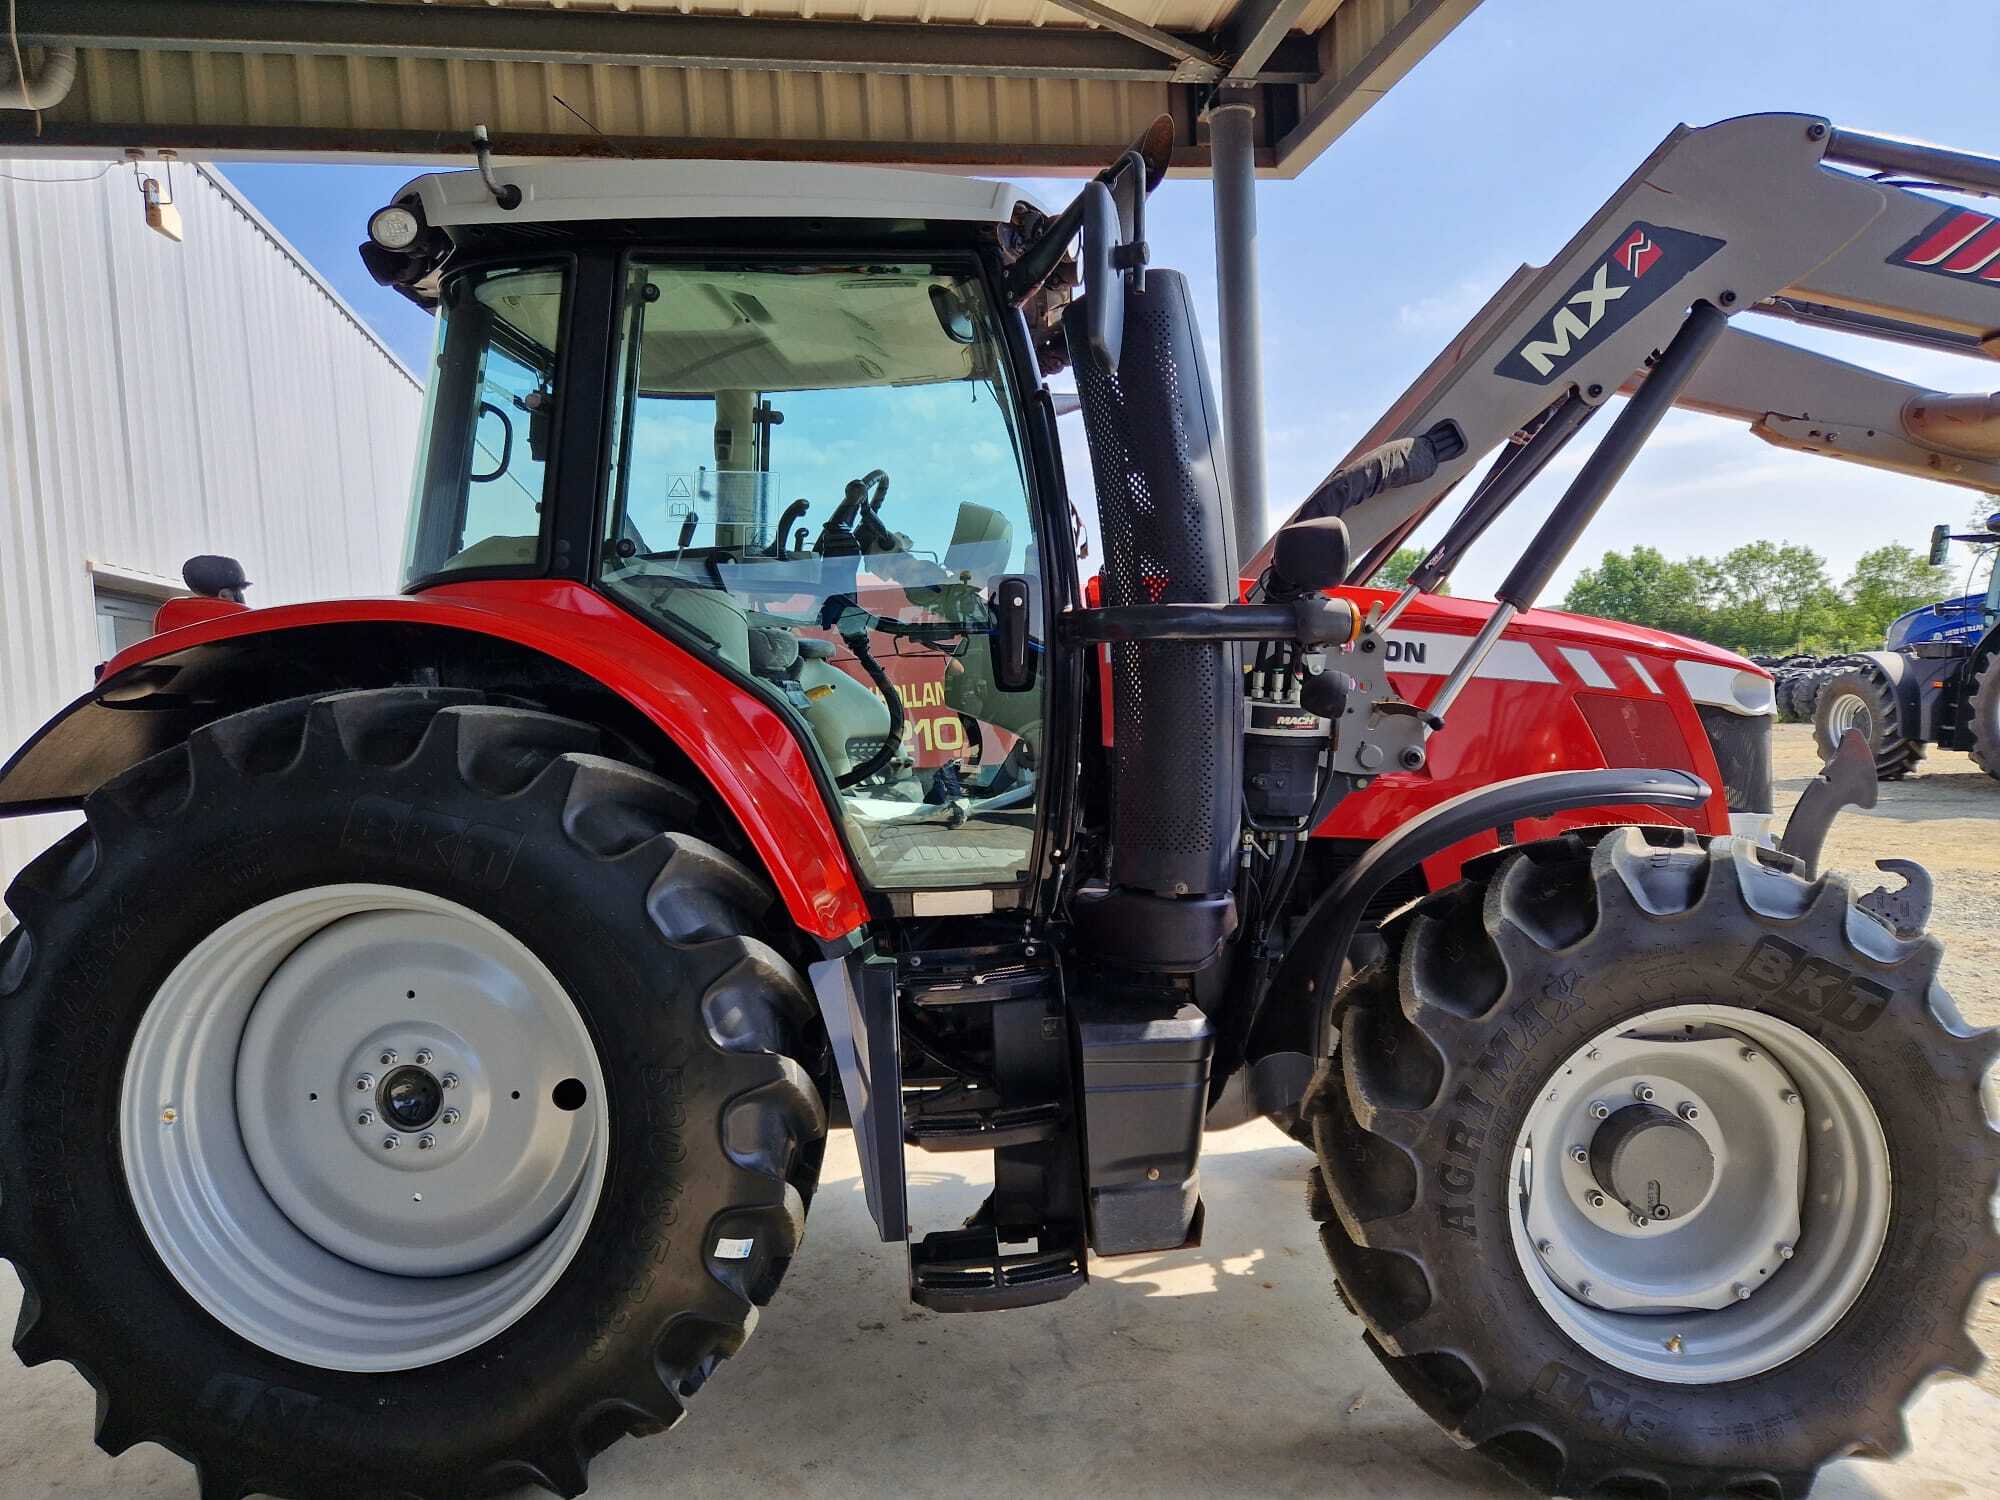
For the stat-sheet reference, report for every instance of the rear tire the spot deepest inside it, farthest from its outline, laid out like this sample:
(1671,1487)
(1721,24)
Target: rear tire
(1446,1050)
(1984,704)
(1863,698)
(504,821)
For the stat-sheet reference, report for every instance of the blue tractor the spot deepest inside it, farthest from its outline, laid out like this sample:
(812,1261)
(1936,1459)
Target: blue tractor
(1935,682)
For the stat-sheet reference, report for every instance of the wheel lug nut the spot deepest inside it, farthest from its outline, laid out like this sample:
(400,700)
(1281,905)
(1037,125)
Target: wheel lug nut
(1690,1112)
(450,1080)
(1789,1096)
(426,1142)
(1786,1252)
(1749,1054)
(364,1083)
(388,1056)
(1579,1155)
(365,1118)
(1640,1221)
(1742,1292)
(450,1117)
(423,1056)
(1583,1289)
(388,1143)
(1643,1093)
(1543,1247)
(1599,1110)
(1595,1200)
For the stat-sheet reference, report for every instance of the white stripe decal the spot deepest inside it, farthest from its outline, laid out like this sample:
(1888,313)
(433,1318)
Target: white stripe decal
(1645,676)
(1588,667)
(1433,655)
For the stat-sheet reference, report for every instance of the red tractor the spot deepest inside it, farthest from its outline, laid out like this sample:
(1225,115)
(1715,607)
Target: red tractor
(418,1062)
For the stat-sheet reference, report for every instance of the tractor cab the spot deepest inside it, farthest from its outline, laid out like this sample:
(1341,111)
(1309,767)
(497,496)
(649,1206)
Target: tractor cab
(807,453)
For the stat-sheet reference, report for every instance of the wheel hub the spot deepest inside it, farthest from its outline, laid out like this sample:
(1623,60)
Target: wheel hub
(1653,1162)
(410,1098)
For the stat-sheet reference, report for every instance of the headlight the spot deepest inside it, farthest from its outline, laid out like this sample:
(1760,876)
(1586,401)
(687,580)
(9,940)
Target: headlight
(1739,691)
(394,227)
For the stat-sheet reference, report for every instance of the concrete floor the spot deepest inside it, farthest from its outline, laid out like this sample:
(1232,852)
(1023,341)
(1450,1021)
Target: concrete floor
(1228,1370)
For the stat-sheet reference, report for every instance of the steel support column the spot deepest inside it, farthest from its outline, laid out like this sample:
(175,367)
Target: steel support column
(1232,133)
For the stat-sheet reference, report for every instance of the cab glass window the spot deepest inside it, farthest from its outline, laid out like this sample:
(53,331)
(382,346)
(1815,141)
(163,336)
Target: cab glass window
(816,475)
(488,427)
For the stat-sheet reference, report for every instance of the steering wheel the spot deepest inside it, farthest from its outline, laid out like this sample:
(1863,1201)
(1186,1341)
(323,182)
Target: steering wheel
(853,526)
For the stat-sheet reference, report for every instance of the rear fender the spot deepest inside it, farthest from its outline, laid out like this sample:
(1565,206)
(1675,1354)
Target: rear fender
(554,642)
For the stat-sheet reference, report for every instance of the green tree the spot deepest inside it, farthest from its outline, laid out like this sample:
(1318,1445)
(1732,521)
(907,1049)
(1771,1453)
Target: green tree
(1772,596)
(1885,583)
(1401,564)
(1644,587)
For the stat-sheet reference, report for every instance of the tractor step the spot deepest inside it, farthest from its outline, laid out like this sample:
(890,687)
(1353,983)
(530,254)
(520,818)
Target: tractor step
(964,1117)
(970,1270)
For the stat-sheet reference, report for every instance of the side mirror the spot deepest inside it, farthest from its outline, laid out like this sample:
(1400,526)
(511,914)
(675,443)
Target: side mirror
(1013,664)
(1308,556)
(1103,288)
(1940,545)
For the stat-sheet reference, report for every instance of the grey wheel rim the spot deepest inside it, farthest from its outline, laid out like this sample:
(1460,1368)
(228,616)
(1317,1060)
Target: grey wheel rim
(1753,1213)
(1850,711)
(364,1127)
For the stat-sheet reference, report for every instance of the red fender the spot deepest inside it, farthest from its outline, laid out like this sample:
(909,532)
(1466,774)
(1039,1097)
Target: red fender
(743,746)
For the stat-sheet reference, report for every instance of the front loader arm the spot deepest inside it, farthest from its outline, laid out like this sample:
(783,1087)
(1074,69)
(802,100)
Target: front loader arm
(1814,403)
(1743,215)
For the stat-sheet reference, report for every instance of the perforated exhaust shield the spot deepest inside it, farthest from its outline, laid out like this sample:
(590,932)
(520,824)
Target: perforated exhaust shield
(1163,508)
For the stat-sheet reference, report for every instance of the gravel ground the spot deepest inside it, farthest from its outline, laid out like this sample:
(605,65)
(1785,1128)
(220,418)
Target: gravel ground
(1947,816)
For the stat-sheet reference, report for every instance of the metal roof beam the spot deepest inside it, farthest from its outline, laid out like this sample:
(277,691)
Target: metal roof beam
(1255,32)
(1196,65)
(631,39)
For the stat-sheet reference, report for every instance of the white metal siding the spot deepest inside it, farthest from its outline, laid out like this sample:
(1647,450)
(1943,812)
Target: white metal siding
(159,400)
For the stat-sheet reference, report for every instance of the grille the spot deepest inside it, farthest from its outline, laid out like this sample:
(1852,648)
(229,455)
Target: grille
(1742,745)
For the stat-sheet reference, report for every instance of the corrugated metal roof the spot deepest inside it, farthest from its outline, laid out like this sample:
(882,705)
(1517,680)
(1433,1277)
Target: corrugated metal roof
(1048,85)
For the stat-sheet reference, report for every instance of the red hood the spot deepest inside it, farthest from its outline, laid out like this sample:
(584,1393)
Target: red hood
(1447,612)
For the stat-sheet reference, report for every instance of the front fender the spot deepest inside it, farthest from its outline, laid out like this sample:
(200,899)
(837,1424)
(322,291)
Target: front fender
(156,693)
(1337,915)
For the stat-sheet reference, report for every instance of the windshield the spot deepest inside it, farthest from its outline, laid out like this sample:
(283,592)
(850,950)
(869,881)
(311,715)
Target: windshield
(816,474)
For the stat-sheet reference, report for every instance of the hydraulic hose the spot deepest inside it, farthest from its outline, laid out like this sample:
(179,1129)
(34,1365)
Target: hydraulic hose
(858,644)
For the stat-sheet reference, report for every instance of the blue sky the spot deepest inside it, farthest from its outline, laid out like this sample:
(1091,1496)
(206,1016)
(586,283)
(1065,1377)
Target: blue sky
(1491,153)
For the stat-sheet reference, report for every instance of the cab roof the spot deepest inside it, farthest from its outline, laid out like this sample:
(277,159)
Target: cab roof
(573,191)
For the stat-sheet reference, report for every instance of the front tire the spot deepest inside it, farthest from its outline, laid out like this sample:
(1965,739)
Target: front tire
(457,923)
(1862,698)
(1495,994)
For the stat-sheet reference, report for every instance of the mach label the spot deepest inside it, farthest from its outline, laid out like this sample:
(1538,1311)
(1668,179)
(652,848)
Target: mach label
(1636,270)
